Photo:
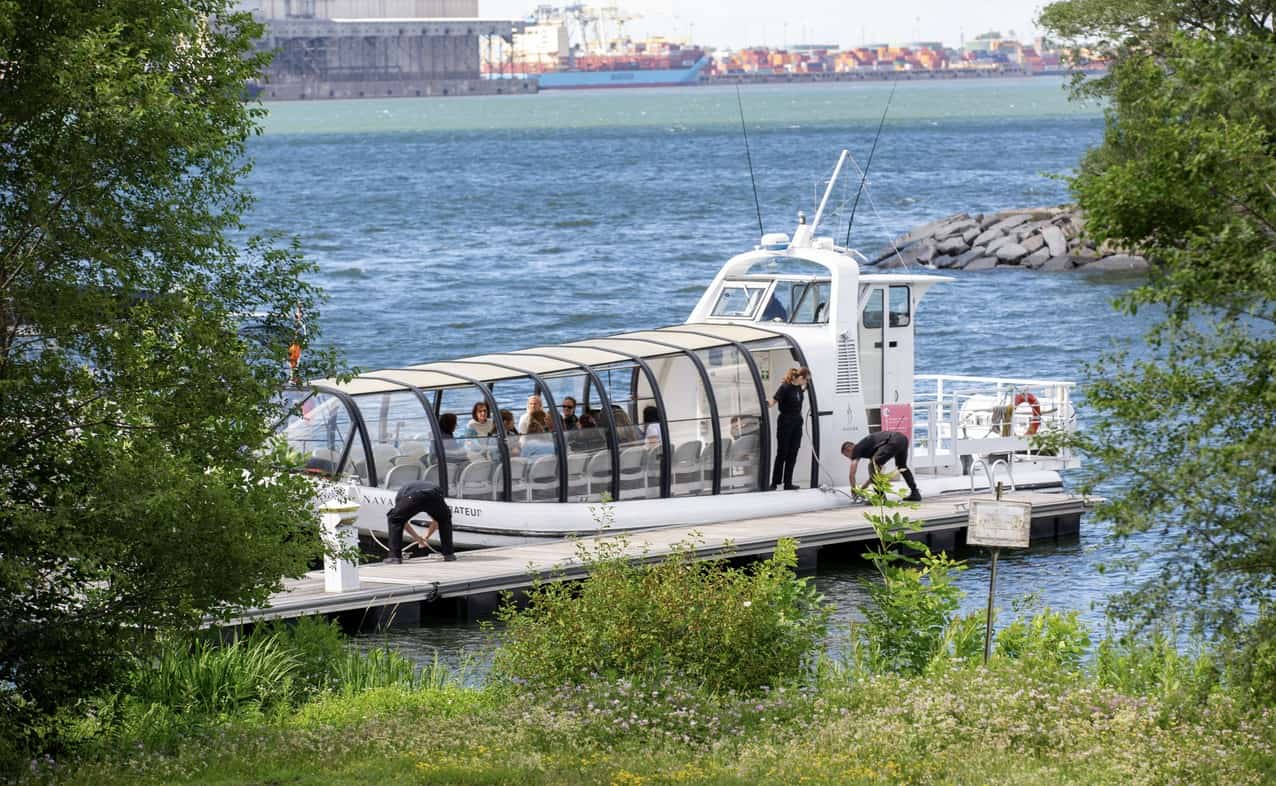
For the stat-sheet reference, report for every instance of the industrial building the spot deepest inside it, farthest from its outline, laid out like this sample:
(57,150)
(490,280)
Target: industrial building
(381,48)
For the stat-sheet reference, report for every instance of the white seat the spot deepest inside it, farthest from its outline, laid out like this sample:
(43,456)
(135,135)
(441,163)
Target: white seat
(684,468)
(577,482)
(383,455)
(706,461)
(740,464)
(598,473)
(652,461)
(475,481)
(633,471)
(431,474)
(518,478)
(542,478)
(403,474)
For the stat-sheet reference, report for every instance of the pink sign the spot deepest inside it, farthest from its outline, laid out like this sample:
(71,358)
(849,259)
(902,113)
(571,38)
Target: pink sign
(898,417)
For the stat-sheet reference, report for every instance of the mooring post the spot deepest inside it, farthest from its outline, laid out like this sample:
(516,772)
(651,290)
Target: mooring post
(992,592)
(341,541)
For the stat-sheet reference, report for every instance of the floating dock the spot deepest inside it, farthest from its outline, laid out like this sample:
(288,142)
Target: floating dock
(470,587)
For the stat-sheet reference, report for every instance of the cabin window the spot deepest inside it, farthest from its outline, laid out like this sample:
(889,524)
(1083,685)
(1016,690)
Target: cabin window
(739,420)
(901,308)
(534,450)
(873,310)
(401,435)
(471,447)
(628,402)
(318,431)
(739,300)
(689,416)
(812,304)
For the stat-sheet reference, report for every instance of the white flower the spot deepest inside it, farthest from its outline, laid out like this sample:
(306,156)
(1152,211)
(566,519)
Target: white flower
(748,603)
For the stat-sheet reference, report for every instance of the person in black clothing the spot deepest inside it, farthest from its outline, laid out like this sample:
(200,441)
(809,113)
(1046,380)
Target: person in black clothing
(569,414)
(880,448)
(788,432)
(419,497)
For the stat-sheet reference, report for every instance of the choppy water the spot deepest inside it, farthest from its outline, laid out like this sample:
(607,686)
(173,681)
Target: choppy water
(451,226)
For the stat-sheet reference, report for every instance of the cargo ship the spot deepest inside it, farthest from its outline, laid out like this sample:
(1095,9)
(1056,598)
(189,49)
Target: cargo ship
(578,47)
(624,72)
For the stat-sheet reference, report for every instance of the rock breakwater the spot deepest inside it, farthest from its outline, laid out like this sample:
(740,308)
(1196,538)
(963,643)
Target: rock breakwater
(1044,238)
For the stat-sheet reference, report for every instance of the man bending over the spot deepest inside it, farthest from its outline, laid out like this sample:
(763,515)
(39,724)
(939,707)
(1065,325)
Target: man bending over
(419,497)
(878,449)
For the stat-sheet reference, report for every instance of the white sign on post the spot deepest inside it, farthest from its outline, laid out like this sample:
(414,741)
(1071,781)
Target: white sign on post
(999,524)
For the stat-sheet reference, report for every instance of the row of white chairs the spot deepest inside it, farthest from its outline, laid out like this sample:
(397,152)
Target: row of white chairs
(588,474)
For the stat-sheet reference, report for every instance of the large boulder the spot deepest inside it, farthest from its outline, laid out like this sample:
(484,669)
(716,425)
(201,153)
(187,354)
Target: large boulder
(1011,252)
(925,251)
(1007,224)
(1036,259)
(944,261)
(1033,242)
(970,256)
(986,237)
(955,228)
(1056,264)
(1125,262)
(983,263)
(970,234)
(952,245)
(1055,240)
(999,243)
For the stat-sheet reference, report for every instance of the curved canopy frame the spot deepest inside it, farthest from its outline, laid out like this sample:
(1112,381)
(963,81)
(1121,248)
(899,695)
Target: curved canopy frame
(356,419)
(665,447)
(582,357)
(502,444)
(433,418)
(560,439)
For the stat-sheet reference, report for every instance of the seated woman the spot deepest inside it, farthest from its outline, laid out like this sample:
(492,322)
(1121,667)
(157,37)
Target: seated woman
(451,448)
(626,431)
(511,433)
(651,425)
(481,424)
(537,441)
(587,437)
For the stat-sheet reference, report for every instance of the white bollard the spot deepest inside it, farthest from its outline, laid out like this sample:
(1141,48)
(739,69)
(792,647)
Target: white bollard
(341,535)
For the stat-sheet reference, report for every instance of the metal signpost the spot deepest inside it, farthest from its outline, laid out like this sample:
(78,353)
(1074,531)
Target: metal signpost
(997,524)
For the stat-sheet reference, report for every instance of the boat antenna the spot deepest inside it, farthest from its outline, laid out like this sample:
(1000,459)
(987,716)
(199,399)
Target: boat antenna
(869,164)
(749,157)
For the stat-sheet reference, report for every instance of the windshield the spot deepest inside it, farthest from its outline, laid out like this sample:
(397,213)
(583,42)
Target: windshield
(739,300)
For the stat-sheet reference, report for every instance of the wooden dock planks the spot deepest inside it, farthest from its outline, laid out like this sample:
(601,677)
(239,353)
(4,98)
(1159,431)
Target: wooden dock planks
(488,571)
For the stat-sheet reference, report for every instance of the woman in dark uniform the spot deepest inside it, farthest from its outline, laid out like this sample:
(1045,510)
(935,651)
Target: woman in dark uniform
(788,432)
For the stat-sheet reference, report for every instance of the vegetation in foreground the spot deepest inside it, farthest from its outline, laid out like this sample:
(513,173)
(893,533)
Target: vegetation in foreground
(598,682)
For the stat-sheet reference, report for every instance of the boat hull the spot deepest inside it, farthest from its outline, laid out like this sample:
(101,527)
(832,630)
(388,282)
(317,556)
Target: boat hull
(480,524)
(660,77)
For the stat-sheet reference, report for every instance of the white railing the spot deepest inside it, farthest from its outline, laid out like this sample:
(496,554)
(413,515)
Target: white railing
(978,417)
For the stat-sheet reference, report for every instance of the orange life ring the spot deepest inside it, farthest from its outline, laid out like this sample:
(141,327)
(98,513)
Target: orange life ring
(1035,422)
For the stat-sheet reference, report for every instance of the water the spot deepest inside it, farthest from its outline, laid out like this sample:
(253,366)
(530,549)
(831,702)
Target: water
(445,227)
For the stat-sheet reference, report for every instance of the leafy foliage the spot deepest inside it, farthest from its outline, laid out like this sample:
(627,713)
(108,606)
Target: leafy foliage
(132,404)
(914,599)
(1185,176)
(702,623)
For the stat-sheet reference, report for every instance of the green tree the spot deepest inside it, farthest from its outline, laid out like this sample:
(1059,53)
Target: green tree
(1186,175)
(134,494)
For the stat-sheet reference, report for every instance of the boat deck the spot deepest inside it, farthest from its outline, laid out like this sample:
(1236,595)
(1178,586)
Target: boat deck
(398,594)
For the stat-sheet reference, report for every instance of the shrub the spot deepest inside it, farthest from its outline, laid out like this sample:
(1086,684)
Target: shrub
(1049,638)
(907,625)
(701,623)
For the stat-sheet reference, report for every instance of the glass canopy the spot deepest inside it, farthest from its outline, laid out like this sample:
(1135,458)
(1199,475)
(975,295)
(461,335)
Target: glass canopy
(676,411)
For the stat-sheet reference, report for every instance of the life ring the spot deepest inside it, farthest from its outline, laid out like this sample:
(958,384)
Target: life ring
(1034,423)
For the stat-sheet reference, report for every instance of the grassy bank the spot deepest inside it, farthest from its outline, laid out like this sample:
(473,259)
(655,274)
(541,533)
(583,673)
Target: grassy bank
(689,672)
(968,725)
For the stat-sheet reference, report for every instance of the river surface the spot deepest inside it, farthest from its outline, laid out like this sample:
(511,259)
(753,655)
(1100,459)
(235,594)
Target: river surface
(445,227)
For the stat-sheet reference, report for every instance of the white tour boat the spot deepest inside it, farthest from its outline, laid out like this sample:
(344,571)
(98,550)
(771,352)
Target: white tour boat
(706,384)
